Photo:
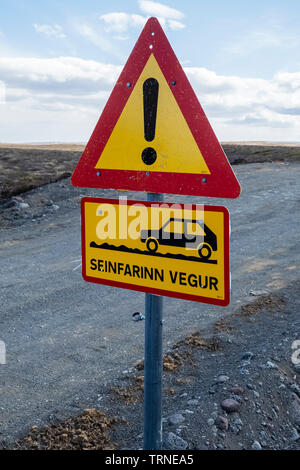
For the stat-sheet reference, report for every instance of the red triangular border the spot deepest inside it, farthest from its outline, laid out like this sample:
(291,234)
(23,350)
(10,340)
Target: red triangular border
(220,183)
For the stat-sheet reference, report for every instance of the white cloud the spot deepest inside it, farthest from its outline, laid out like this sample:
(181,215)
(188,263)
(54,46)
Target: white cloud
(249,101)
(160,10)
(95,37)
(255,40)
(53,99)
(166,15)
(120,22)
(58,92)
(121,38)
(290,81)
(2,92)
(266,118)
(50,31)
(58,74)
(175,25)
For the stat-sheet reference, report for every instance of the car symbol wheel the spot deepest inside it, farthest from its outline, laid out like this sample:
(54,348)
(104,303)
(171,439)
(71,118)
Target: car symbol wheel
(152,245)
(204,251)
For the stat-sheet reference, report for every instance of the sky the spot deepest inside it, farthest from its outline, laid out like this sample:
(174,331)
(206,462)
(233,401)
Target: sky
(59,60)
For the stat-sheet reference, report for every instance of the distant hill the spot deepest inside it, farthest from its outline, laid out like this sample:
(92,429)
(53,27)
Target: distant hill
(27,166)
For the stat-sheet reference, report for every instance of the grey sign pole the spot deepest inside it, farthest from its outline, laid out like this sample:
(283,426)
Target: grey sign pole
(153,365)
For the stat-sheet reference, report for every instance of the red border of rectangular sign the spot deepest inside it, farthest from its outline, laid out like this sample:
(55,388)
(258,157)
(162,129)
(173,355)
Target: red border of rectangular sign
(124,285)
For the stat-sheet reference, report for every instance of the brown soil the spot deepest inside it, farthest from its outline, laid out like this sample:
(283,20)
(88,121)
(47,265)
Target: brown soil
(25,169)
(88,431)
(223,326)
(196,340)
(132,393)
(171,362)
(269,302)
(255,153)
(62,147)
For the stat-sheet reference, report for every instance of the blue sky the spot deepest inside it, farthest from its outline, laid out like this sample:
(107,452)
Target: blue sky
(60,59)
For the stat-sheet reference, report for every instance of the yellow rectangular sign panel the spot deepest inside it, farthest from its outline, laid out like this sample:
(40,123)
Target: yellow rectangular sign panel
(177,250)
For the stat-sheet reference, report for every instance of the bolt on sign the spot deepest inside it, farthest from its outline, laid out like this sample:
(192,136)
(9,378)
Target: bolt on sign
(176,250)
(153,134)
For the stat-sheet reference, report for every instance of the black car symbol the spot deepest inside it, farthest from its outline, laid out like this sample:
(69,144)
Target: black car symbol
(182,233)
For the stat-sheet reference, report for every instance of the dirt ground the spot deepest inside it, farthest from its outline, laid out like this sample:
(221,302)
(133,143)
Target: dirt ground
(24,167)
(235,389)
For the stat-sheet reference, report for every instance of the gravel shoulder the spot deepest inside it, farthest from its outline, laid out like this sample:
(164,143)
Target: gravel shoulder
(68,342)
(234,388)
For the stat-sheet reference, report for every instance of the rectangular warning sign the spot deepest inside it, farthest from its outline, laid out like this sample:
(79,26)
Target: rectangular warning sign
(171,249)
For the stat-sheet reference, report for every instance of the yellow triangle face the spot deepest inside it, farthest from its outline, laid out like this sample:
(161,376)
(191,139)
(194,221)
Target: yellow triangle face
(174,144)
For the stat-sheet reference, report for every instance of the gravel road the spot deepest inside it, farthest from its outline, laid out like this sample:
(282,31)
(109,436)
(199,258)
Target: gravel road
(65,338)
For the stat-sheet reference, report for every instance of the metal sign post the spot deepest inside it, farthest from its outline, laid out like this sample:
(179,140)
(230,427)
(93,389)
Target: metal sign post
(167,250)
(153,365)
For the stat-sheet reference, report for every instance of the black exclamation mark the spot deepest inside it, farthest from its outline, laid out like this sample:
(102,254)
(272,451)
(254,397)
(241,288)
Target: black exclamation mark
(150,95)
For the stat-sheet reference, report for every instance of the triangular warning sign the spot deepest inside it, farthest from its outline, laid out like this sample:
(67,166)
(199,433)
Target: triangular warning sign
(153,134)
(174,144)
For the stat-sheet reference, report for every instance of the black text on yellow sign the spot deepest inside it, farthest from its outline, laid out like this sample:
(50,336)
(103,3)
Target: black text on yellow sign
(177,250)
